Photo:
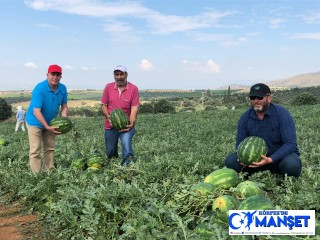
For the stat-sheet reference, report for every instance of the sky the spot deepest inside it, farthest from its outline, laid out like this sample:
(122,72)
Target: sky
(165,44)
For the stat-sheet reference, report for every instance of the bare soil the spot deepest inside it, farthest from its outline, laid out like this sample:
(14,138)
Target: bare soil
(15,224)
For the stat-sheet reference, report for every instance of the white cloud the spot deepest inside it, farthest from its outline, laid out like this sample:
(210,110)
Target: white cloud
(68,67)
(89,68)
(209,68)
(145,65)
(160,23)
(276,23)
(45,25)
(30,65)
(312,36)
(313,18)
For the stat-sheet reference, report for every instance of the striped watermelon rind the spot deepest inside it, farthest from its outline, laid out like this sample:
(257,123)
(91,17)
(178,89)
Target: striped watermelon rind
(62,124)
(119,119)
(247,188)
(223,204)
(224,178)
(251,149)
(256,203)
(96,161)
(204,188)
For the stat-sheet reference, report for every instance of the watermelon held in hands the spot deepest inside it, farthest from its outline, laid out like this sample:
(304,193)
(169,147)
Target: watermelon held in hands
(247,188)
(119,119)
(224,178)
(256,203)
(203,188)
(251,149)
(62,124)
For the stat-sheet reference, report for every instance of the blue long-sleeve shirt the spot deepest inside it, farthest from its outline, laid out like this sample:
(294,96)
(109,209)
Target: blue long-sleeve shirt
(20,115)
(277,129)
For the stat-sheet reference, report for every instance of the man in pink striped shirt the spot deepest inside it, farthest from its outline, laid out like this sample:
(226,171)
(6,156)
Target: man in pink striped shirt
(124,95)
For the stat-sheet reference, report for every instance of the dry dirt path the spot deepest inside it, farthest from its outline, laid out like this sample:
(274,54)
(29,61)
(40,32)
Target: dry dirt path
(15,224)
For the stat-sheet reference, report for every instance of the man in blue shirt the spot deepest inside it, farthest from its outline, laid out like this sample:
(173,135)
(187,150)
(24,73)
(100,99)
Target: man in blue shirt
(275,125)
(47,98)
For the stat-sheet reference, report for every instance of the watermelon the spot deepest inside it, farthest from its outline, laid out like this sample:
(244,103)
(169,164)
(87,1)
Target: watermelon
(224,178)
(247,188)
(119,119)
(95,162)
(62,124)
(79,164)
(256,203)
(3,142)
(251,149)
(223,204)
(203,230)
(203,188)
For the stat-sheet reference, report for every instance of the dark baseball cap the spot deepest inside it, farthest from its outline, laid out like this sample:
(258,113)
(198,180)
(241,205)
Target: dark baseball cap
(259,90)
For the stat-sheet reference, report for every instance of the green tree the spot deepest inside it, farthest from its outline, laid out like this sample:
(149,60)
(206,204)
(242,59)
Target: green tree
(163,106)
(5,109)
(304,98)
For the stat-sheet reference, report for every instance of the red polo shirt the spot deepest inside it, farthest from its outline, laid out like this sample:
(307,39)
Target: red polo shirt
(116,99)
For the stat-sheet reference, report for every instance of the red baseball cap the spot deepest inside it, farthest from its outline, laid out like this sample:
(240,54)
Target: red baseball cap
(54,68)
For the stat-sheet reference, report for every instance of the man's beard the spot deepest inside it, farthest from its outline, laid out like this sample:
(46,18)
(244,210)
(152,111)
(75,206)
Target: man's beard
(260,108)
(122,83)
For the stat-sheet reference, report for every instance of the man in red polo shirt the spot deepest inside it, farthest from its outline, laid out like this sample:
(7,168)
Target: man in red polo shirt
(120,94)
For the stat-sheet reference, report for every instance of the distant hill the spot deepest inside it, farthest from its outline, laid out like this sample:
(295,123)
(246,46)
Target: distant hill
(302,80)
(298,81)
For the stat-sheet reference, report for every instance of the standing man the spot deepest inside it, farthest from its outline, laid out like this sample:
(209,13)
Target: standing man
(20,119)
(120,94)
(275,125)
(47,97)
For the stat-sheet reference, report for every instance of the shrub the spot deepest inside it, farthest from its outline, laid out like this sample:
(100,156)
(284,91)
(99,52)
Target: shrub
(163,106)
(146,108)
(5,109)
(304,98)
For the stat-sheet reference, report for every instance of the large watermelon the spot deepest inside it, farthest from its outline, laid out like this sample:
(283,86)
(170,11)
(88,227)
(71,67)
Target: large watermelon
(79,164)
(3,142)
(62,124)
(251,149)
(224,178)
(203,230)
(119,119)
(223,204)
(96,162)
(256,203)
(247,188)
(203,188)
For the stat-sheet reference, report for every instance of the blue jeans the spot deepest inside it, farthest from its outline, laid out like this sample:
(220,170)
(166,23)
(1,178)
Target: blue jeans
(111,137)
(290,165)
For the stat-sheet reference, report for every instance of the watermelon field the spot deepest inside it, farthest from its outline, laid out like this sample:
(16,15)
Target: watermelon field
(154,197)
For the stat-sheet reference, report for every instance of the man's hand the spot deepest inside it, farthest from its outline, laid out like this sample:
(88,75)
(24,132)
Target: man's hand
(264,161)
(53,130)
(128,128)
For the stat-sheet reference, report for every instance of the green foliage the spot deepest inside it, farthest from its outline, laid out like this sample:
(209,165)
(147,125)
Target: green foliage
(152,197)
(305,98)
(5,109)
(146,108)
(163,106)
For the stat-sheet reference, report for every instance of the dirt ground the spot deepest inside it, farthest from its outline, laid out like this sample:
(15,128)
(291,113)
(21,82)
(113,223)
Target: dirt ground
(14,223)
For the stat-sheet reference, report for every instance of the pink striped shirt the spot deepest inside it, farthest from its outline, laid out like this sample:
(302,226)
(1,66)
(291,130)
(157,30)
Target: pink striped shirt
(115,99)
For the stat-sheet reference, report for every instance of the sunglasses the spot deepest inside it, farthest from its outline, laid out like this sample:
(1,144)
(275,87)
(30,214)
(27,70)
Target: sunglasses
(255,97)
(56,74)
